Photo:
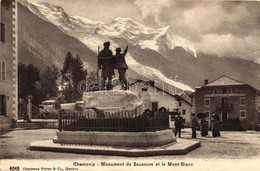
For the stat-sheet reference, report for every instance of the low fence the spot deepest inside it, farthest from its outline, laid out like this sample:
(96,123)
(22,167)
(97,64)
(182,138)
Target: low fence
(114,121)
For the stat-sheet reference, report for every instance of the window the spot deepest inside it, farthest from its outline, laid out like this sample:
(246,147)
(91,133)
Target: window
(184,112)
(2,105)
(2,70)
(224,90)
(6,3)
(207,102)
(219,101)
(208,123)
(233,90)
(215,91)
(154,106)
(144,89)
(179,103)
(242,100)
(207,113)
(2,28)
(242,114)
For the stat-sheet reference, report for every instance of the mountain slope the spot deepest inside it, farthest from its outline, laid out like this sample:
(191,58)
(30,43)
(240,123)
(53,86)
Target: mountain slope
(153,53)
(42,43)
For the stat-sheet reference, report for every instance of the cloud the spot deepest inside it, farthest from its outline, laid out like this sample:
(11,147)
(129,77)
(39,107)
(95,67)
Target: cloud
(152,8)
(223,28)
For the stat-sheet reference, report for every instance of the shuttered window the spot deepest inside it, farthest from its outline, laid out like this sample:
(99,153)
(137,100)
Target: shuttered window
(2,28)
(6,3)
(2,70)
(2,105)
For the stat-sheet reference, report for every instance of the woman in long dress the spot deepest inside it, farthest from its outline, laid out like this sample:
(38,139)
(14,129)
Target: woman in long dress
(204,127)
(215,126)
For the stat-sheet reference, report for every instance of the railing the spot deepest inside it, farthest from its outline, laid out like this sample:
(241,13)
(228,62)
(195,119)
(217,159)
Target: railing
(224,107)
(114,121)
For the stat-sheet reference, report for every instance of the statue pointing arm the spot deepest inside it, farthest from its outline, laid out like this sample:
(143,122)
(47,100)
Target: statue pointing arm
(126,49)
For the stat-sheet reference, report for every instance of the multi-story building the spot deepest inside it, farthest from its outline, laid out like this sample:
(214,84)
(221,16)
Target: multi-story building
(8,63)
(156,96)
(235,102)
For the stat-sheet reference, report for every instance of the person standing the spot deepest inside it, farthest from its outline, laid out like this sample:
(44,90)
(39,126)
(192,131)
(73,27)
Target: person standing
(178,125)
(215,125)
(121,66)
(204,127)
(194,125)
(105,60)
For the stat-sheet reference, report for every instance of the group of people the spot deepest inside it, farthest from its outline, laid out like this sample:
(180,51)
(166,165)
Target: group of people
(203,126)
(108,62)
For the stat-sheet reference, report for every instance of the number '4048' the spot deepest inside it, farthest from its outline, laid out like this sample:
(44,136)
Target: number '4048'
(14,168)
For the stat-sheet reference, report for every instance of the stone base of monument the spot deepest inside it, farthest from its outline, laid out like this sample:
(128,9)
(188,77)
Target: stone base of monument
(113,101)
(120,106)
(115,143)
(125,139)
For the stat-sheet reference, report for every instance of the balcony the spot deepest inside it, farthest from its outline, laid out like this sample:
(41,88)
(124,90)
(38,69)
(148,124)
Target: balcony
(226,95)
(224,107)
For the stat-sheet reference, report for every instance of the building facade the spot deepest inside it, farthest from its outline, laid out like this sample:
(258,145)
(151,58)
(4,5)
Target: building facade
(8,64)
(235,102)
(155,97)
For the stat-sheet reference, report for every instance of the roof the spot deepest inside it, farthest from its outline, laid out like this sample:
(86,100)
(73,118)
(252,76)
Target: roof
(224,81)
(151,83)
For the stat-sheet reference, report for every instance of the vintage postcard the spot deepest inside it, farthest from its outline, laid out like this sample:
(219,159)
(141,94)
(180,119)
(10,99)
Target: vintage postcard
(129,84)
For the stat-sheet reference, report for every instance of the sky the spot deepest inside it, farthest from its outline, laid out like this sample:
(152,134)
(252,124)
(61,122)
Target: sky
(216,27)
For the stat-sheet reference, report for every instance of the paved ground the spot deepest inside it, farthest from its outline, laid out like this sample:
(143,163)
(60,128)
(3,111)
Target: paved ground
(231,145)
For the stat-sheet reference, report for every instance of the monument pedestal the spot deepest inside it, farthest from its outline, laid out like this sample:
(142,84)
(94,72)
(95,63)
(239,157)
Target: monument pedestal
(123,139)
(113,101)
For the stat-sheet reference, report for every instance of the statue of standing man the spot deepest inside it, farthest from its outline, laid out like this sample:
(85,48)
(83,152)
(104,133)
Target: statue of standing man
(121,65)
(105,59)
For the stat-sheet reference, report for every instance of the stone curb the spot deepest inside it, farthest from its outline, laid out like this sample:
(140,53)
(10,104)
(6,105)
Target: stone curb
(181,147)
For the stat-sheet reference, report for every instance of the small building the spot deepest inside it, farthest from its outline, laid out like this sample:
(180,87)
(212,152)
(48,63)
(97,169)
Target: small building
(156,96)
(185,106)
(8,64)
(234,101)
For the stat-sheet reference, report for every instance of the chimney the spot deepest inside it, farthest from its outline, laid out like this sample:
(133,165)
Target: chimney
(206,82)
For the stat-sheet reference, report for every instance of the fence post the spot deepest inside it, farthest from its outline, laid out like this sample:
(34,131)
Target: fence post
(60,122)
(74,120)
(153,121)
(136,120)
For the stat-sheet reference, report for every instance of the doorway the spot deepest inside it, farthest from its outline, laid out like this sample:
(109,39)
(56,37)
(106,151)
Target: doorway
(224,116)
(154,106)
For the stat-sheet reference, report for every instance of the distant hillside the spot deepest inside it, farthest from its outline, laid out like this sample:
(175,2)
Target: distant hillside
(43,44)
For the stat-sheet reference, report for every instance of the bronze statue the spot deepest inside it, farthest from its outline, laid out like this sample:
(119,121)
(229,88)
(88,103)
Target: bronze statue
(105,62)
(121,66)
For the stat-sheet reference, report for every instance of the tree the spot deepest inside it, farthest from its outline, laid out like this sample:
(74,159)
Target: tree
(49,87)
(78,74)
(28,82)
(22,81)
(72,73)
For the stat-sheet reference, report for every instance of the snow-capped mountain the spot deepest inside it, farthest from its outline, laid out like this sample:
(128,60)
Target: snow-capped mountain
(47,33)
(132,31)
(93,34)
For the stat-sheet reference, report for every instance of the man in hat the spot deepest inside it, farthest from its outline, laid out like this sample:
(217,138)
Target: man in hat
(179,124)
(105,59)
(121,65)
(194,125)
